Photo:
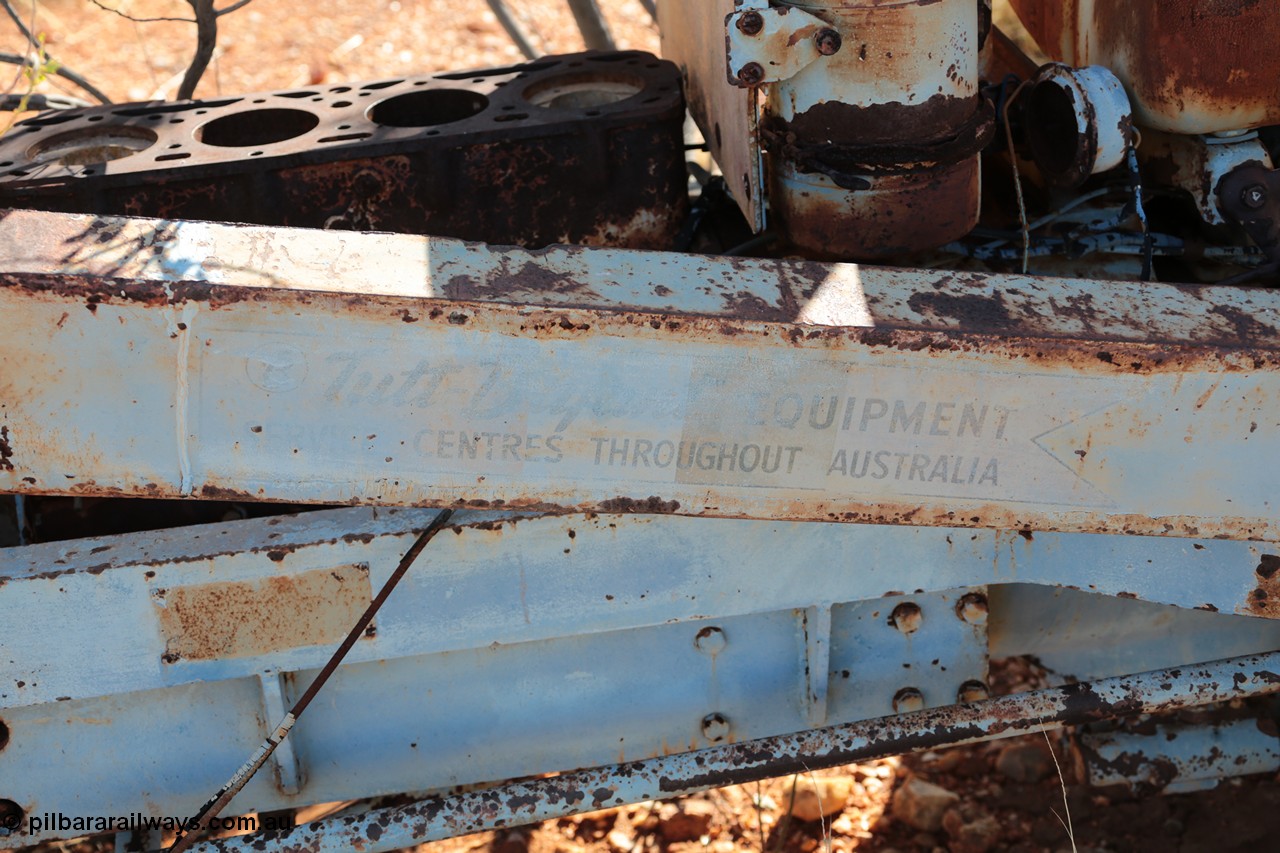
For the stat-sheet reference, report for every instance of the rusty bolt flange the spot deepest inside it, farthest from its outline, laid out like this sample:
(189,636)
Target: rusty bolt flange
(973,691)
(828,41)
(715,727)
(908,700)
(972,608)
(907,618)
(710,640)
(1254,196)
(750,23)
(751,74)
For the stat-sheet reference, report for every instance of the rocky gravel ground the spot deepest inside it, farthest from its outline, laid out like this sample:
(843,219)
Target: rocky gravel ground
(1009,795)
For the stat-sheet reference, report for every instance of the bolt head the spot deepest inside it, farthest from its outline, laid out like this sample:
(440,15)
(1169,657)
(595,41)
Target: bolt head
(973,691)
(828,41)
(751,74)
(715,727)
(750,23)
(908,700)
(710,640)
(972,608)
(907,617)
(1254,196)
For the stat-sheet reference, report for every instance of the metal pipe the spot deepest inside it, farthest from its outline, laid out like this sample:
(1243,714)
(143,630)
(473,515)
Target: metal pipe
(515,30)
(592,25)
(519,803)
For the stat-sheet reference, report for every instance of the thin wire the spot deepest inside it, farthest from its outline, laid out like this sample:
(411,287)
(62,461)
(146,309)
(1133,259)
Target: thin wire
(241,777)
(1017,178)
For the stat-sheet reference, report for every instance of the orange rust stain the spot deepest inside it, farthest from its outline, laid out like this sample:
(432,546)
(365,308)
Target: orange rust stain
(235,619)
(1204,398)
(1264,600)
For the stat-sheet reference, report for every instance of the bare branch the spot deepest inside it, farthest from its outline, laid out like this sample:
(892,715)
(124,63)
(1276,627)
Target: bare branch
(129,17)
(17,19)
(239,4)
(206,41)
(61,71)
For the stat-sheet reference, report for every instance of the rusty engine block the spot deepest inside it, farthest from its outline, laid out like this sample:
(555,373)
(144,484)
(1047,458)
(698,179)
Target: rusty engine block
(583,149)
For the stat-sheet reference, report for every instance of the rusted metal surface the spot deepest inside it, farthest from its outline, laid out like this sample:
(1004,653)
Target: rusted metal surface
(1179,757)
(873,148)
(894,214)
(1078,123)
(726,115)
(1190,66)
(1201,166)
(515,804)
(104,586)
(745,289)
(248,618)
(1250,196)
(585,148)
(778,41)
(1083,631)
(763,646)
(360,628)
(836,417)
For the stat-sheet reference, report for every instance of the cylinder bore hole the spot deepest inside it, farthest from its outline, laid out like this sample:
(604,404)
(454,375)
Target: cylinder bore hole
(4,735)
(256,127)
(583,90)
(427,108)
(92,145)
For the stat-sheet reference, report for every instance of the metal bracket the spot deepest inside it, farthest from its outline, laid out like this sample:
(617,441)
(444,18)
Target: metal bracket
(768,45)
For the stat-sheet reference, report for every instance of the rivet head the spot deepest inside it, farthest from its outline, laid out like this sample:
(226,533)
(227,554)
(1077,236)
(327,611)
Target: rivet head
(750,23)
(972,608)
(973,691)
(907,617)
(908,700)
(710,640)
(715,727)
(751,74)
(828,41)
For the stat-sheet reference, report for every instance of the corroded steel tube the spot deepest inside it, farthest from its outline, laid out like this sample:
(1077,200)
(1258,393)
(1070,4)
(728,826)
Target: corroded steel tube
(521,803)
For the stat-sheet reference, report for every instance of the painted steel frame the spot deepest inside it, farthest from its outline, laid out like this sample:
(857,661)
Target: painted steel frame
(530,642)
(202,360)
(603,380)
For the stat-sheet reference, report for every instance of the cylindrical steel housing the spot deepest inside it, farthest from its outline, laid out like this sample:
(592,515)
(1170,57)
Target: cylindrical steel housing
(861,143)
(1189,66)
